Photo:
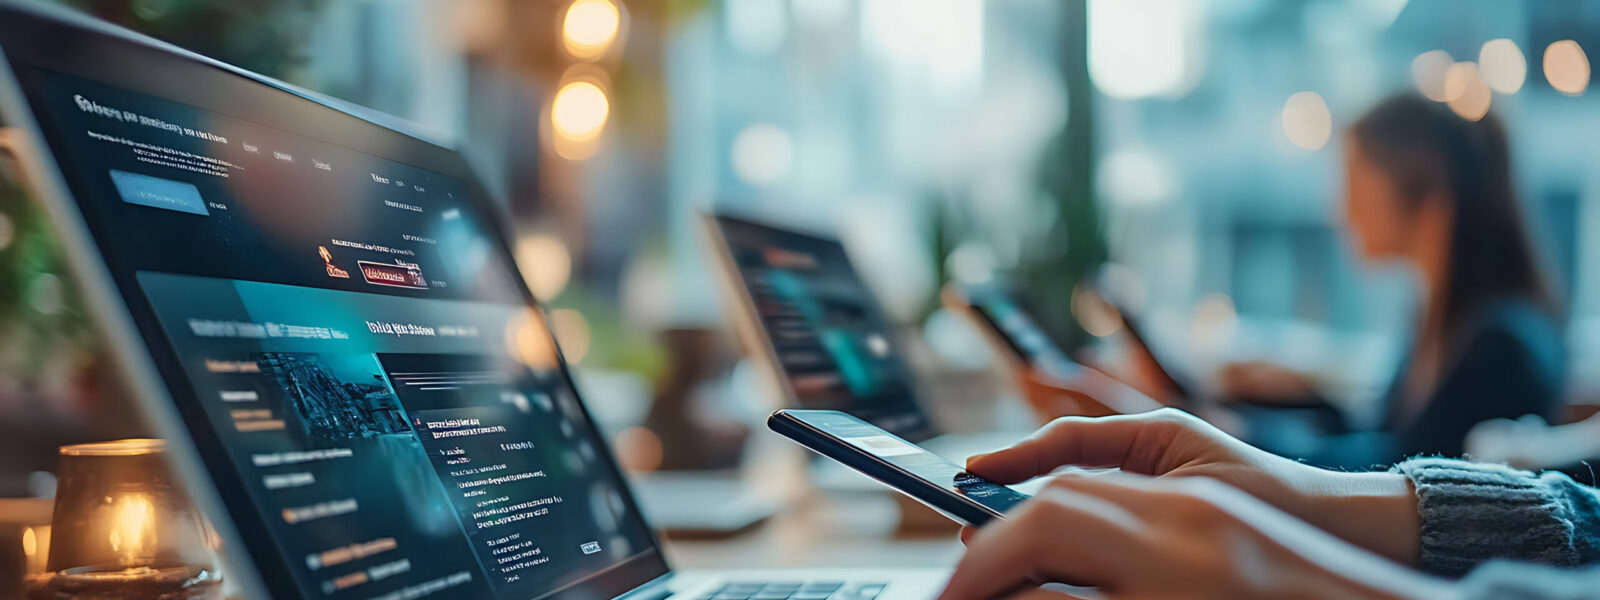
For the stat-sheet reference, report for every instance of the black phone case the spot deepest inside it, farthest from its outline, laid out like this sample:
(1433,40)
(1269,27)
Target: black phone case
(949,503)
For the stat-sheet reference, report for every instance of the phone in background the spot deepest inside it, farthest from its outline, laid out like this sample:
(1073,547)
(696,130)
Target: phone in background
(1135,332)
(924,476)
(1010,330)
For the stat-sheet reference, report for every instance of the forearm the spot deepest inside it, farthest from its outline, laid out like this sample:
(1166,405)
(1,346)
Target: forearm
(1374,511)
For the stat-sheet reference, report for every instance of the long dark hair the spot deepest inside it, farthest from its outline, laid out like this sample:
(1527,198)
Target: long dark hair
(1429,151)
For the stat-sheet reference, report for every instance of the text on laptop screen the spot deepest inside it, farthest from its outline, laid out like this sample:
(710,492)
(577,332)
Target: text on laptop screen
(829,335)
(352,332)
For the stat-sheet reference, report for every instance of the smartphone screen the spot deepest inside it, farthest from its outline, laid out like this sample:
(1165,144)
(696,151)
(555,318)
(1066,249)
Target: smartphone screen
(925,476)
(1016,331)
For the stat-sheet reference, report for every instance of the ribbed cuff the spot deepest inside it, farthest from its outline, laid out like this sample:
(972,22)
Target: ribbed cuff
(1472,513)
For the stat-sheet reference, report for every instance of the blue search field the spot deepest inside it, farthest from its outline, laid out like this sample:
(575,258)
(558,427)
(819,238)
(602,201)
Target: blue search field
(156,192)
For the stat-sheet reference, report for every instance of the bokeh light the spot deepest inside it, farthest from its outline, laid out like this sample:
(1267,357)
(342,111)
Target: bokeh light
(47,294)
(1503,66)
(8,231)
(1214,322)
(1306,120)
(546,264)
(579,114)
(762,154)
(1428,70)
(1566,67)
(971,263)
(638,449)
(589,28)
(1092,312)
(1466,91)
(528,340)
(572,331)
(1136,178)
(1143,48)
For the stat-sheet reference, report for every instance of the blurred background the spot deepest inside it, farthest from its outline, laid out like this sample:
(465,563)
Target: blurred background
(1192,145)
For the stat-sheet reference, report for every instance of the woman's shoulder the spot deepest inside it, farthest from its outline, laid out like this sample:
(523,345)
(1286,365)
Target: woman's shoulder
(1514,324)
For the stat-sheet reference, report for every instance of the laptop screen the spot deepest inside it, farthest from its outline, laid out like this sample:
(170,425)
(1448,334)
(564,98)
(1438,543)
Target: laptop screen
(825,331)
(343,331)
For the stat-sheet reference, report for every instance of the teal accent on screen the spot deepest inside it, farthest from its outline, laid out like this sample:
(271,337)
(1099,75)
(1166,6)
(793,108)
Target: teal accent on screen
(156,192)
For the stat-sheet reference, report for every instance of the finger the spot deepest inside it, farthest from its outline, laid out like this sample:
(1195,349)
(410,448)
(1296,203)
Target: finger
(967,532)
(1059,535)
(1132,442)
(1042,594)
(1139,494)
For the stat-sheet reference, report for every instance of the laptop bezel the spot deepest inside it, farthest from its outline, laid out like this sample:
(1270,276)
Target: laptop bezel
(138,347)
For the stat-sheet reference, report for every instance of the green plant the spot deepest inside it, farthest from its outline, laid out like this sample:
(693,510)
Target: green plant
(40,312)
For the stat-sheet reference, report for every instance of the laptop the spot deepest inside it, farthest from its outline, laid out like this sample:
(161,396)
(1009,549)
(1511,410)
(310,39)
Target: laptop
(317,307)
(807,316)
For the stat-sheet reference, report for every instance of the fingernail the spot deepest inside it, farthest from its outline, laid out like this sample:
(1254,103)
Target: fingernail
(977,457)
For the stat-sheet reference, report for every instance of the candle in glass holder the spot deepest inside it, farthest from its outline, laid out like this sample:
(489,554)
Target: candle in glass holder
(124,529)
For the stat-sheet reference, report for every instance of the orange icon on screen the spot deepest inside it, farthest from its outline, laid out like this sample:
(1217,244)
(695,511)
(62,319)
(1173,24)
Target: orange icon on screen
(327,258)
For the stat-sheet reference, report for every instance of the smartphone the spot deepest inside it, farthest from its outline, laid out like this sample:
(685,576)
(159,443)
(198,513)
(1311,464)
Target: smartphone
(1010,330)
(1135,332)
(924,476)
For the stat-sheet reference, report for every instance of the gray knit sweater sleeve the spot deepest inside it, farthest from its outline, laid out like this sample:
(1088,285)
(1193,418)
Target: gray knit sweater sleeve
(1473,513)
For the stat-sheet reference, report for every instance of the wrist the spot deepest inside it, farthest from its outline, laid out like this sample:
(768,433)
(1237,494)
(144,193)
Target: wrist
(1374,511)
(1376,580)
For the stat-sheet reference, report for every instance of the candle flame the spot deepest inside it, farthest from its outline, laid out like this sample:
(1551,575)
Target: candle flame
(133,523)
(30,542)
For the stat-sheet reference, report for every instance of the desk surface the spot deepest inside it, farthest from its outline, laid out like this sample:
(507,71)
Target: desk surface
(855,530)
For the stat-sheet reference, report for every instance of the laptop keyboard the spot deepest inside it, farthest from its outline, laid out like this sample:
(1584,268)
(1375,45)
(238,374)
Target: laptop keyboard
(809,590)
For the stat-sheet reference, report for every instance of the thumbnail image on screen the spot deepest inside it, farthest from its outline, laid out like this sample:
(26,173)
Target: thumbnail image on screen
(357,344)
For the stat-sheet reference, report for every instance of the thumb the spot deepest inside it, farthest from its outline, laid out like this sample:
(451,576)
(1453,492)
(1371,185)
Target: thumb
(1130,442)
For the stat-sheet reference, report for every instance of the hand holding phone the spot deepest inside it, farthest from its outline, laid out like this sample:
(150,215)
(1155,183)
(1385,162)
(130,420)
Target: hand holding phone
(924,476)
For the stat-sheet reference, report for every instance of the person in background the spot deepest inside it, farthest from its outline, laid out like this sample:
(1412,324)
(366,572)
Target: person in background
(1531,443)
(1433,190)
(1194,513)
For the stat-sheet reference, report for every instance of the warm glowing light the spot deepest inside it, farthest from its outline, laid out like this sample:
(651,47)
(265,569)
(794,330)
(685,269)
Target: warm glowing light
(579,111)
(30,542)
(1093,314)
(1566,67)
(572,331)
(127,447)
(762,154)
(639,449)
(545,263)
(528,341)
(1503,66)
(132,527)
(1427,70)
(590,27)
(1467,94)
(1306,120)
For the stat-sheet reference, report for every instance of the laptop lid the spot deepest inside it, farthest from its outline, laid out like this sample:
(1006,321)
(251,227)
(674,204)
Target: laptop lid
(320,311)
(818,327)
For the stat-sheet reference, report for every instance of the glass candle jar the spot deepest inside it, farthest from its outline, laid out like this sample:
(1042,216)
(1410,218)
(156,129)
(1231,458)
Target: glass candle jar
(123,528)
